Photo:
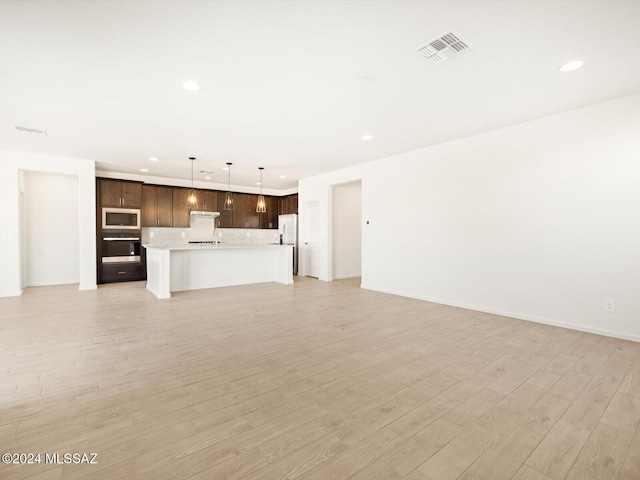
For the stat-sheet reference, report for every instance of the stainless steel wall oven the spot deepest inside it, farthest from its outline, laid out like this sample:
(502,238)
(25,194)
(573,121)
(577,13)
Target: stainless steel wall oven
(120,248)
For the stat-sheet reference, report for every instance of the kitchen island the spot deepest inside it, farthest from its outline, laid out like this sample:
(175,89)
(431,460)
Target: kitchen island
(175,268)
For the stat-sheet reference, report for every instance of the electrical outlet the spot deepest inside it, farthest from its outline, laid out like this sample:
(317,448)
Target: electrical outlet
(609,305)
(183,234)
(152,234)
(248,234)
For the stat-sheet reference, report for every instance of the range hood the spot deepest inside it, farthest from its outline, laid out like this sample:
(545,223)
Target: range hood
(202,213)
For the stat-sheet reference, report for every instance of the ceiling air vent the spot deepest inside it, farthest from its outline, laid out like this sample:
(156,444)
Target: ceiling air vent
(37,131)
(444,47)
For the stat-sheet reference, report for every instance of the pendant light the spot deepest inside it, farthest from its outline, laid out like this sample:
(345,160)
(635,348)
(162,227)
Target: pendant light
(262,205)
(228,199)
(192,201)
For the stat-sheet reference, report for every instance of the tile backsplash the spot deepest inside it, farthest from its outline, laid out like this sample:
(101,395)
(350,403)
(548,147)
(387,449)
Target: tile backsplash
(247,236)
(202,229)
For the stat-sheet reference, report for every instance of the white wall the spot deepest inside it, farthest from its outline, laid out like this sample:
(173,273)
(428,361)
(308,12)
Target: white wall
(51,219)
(11,163)
(346,249)
(539,221)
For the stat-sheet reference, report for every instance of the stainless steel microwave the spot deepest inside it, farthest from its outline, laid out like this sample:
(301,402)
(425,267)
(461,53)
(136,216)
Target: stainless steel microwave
(120,218)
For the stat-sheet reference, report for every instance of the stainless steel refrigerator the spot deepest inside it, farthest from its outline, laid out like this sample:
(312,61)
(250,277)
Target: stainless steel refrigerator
(288,229)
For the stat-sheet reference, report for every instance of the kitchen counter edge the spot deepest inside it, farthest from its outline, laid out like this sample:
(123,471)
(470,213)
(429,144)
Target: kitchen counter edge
(210,246)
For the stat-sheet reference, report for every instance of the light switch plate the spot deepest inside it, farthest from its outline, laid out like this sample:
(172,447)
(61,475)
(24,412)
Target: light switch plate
(609,305)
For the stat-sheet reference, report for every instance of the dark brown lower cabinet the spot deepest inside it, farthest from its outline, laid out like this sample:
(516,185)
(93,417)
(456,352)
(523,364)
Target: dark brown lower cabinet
(120,272)
(143,261)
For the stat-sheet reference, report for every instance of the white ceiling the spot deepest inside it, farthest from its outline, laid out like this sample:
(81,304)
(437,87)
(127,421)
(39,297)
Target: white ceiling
(281,84)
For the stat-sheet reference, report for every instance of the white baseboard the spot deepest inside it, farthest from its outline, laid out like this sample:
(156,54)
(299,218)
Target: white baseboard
(54,284)
(519,316)
(344,277)
(15,293)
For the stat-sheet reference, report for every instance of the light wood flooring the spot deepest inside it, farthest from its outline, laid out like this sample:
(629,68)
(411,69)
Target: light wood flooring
(308,381)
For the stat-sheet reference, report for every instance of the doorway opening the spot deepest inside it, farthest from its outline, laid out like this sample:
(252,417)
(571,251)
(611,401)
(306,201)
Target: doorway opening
(49,227)
(346,245)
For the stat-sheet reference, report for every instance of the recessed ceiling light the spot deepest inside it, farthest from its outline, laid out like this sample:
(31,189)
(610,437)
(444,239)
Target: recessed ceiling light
(207,178)
(144,169)
(571,66)
(153,159)
(258,183)
(367,77)
(283,176)
(367,137)
(191,86)
(225,168)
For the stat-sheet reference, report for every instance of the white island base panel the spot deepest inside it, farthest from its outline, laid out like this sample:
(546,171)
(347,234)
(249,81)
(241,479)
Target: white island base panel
(193,267)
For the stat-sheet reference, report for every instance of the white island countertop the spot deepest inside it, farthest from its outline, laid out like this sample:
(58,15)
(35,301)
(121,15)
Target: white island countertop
(193,266)
(201,246)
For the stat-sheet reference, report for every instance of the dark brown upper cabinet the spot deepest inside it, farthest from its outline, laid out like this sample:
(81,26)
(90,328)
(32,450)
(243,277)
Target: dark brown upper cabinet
(252,219)
(164,206)
(148,213)
(269,219)
(120,193)
(180,210)
(157,206)
(225,220)
(288,204)
(207,200)
(240,207)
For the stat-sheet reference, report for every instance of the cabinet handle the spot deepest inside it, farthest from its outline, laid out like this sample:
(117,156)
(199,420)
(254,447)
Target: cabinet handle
(120,273)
